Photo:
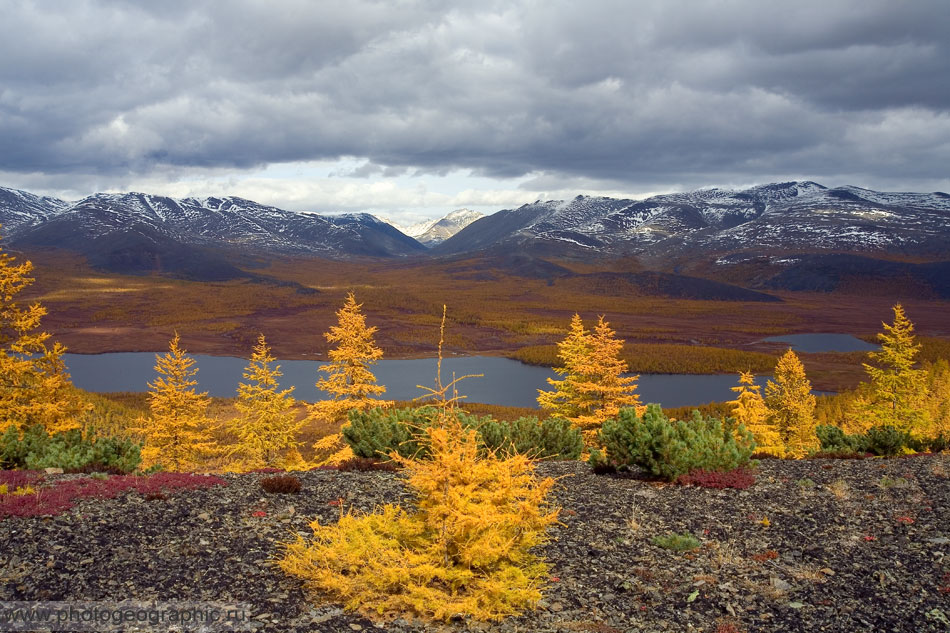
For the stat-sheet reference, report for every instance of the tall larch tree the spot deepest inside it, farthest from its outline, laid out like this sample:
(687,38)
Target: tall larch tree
(266,427)
(594,388)
(349,379)
(566,400)
(749,410)
(178,431)
(898,388)
(34,385)
(792,406)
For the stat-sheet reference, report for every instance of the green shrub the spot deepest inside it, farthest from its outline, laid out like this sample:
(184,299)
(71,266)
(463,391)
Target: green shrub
(36,449)
(668,449)
(887,440)
(553,438)
(938,444)
(684,542)
(378,432)
(834,440)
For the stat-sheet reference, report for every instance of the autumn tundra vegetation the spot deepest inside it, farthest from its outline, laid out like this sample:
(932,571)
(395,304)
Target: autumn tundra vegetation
(468,542)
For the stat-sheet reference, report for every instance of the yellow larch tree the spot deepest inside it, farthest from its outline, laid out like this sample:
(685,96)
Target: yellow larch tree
(178,431)
(34,385)
(897,388)
(749,410)
(566,401)
(792,406)
(467,548)
(594,388)
(266,427)
(349,380)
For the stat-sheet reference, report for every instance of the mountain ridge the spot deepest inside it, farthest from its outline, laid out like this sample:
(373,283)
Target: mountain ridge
(796,215)
(772,236)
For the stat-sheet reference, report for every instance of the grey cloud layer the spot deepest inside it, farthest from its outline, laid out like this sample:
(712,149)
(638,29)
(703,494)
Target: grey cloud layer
(636,92)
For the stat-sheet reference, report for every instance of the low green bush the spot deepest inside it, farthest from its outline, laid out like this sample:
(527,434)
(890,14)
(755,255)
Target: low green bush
(684,542)
(670,448)
(375,433)
(36,449)
(834,440)
(885,441)
(552,438)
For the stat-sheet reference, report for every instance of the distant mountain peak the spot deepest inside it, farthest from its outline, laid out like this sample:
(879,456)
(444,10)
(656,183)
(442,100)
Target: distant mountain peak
(431,232)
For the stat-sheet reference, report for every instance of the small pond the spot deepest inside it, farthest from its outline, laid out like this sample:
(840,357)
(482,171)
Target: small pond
(813,343)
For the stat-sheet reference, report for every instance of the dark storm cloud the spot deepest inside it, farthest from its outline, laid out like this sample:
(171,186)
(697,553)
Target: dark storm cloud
(644,93)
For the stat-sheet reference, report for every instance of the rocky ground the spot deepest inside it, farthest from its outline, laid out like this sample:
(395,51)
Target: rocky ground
(821,545)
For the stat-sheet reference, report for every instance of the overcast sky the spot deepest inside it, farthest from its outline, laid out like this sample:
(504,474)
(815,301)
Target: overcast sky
(411,109)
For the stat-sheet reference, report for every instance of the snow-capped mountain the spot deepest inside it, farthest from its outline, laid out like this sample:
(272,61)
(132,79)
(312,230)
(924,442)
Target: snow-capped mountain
(791,216)
(216,222)
(142,232)
(794,235)
(21,209)
(432,232)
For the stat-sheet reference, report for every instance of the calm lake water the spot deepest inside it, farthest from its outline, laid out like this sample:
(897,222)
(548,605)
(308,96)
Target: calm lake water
(813,343)
(505,382)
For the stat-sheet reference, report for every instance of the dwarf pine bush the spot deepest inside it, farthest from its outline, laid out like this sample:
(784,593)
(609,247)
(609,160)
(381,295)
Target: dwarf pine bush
(885,440)
(466,547)
(552,438)
(671,448)
(35,448)
(379,432)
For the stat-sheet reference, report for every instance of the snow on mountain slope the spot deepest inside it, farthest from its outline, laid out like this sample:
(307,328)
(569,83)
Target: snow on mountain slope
(782,216)
(432,232)
(212,222)
(21,209)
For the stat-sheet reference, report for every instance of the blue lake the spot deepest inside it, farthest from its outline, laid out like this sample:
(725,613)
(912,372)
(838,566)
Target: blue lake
(812,343)
(505,382)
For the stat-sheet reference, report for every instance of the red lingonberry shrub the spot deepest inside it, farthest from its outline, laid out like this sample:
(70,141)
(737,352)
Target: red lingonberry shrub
(738,478)
(281,484)
(19,478)
(59,497)
(603,468)
(366,463)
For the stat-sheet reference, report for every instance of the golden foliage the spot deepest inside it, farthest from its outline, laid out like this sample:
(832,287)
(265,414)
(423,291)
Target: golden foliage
(34,385)
(266,427)
(331,450)
(593,388)
(897,387)
(792,406)
(465,549)
(749,409)
(349,380)
(177,433)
